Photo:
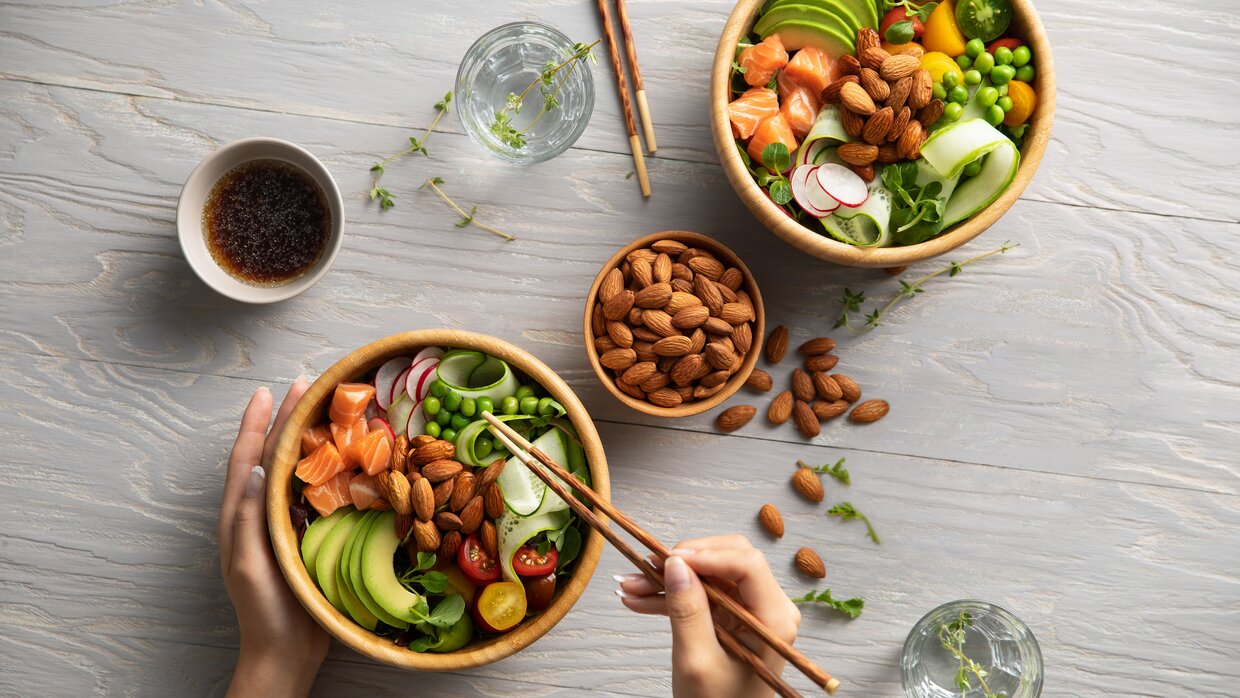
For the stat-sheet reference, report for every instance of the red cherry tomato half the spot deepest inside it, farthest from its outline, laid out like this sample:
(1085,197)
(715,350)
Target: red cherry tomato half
(528,563)
(477,566)
(899,14)
(539,591)
(501,606)
(1010,42)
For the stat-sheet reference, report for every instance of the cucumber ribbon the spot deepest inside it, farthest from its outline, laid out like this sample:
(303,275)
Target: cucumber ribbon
(952,148)
(475,374)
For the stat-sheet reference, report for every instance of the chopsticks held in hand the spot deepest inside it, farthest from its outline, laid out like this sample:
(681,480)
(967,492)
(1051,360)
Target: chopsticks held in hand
(639,162)
(536,460)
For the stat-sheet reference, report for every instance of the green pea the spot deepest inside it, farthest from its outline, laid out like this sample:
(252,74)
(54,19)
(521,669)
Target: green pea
(448,434)
(509,405)
(972,169)
(974,48)
(972,77)
(958,94)
(431,429)
(986,96)
(994,115)
(952,111)
(529,405)
(984,62)
(1003,55)
(524,392)
(1021,55)
(439,388)
(1001,74)
(430,406)
(443,417)
(460,421)
(1025,73)
(950,79)
(1005,103)
(964,61)
(452,401)
(483,447)
(469,407)
(486,404)
(939,91)
(545,407)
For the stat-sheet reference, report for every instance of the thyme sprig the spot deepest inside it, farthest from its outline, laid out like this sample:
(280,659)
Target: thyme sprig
(416,145)
(502,127)
(951,637)
(467,218)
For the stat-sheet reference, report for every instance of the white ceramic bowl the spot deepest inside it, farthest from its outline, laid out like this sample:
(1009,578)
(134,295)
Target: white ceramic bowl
(194,197)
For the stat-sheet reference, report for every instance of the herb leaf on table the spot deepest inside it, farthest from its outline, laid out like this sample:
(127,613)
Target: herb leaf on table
(416,145)
(849,607)
(837,471)
(467,218)
(847,512)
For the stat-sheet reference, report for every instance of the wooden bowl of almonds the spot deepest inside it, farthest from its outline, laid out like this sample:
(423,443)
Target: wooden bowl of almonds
(674,324)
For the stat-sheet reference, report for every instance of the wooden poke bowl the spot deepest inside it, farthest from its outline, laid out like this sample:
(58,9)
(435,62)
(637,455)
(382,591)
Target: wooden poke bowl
(1025,24)
(284,538)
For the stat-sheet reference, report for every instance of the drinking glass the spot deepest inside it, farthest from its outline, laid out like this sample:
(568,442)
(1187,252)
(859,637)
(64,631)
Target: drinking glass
(996,640)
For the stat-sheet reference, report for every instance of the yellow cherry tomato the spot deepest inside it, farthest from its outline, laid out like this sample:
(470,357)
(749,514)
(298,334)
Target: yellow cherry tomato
(938,63)
(1024,99)
(942,33)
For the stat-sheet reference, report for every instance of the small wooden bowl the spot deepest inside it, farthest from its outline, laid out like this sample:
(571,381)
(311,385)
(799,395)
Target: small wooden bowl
(1025,24)
(751,359)
(284,539)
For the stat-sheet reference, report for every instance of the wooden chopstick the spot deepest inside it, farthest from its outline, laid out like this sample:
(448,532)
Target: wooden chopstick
(639,88)
(526,452)
(635,145)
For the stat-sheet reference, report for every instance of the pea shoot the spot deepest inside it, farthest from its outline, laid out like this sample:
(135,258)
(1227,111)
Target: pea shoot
(502,126)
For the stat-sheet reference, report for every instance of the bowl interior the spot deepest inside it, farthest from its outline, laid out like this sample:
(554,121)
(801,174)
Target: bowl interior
(194,196)
(284,538)
(751,359)
(1025,24)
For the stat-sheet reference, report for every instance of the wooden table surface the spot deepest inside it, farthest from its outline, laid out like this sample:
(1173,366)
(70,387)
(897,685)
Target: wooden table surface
(1065,424)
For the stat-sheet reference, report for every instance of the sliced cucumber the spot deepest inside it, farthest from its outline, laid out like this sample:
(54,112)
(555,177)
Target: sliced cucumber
(515,530)
(977,192)
(524,493)
(474,374)
(951,149)
(468,437)
(866,225)
(828,130)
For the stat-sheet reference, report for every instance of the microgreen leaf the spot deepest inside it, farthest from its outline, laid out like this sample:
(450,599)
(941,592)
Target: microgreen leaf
(776,157)
(739,68)
(847,512)
(781,191)
(837,471)
(849,607)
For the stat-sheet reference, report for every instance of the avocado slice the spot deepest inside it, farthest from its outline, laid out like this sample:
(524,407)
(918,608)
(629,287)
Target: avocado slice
(864,11)
(797,34)
(328,558)
(379,573)
(834,16)
(352,605)
(316,533)
(350,566)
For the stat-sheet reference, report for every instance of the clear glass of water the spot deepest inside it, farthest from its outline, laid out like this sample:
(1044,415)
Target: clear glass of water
(504,61)
(996,640)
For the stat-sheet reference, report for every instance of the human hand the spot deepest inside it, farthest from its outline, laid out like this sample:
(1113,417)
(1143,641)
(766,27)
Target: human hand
(281,645)
(701,668)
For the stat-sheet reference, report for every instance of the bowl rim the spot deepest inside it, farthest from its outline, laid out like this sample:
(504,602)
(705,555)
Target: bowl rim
(196,190)
(284,538)
(735,382)
(824,247)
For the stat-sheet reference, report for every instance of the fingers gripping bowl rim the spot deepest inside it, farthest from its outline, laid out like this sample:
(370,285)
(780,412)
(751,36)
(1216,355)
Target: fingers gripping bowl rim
(284,538)
(1025,23)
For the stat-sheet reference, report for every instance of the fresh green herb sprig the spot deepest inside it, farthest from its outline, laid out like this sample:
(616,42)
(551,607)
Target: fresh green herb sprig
(776,159)
(849,607)
(852,302)
(467,218)
(902,32)
(416,145)
(502,127)
(837,471)
(847,512)
(951,637)
(917,212)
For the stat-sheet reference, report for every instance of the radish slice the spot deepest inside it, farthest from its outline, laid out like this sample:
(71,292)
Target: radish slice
(417,422)
(428,352)
(398,386)
(428,377)
(386,377)
(801,187)
(378,423)
(416,373)
(842,184)
(818,197)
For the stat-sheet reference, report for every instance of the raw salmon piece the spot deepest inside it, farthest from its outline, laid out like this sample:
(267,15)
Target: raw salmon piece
(314,437)
(321,465)
(800,108)
(349,402)
(348,437)
(331,495)
(363,491)
(772,130)
(374,452)
(750,109)
(762,61)
(811,68)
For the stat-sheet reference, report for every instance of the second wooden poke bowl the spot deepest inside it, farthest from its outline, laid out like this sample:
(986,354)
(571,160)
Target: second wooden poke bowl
(285,536)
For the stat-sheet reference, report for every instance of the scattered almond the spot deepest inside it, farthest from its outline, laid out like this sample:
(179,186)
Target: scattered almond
(802,385)
(781,408)
(848,387)
(869,411)
(771,520)
(806,421)
(807,484)
(827,388)
(822,362)
(735,417)
(828,410)
(759,380)
(810,564)
(817,345)
(776,345)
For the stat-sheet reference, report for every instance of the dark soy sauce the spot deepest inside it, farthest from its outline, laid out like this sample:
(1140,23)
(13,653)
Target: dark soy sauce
(266,222)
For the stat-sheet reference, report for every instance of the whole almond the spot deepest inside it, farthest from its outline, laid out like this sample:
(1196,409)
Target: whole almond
(380,504)
(899,67)
(810,564)
(462,491)
(404,525)
(399,491)
(759,380)
(735,313)
(669,247)
(681,300)
(930,113)
(697,341)
(690,318)
(805,419)
(685,370)
(878,126)
(682,285)
(855,99)
(909,49)
(873,85)
(824,410)
(802,385)
(641,253)
(702,391)
(471,515)
(719,355)
(817,345)
(887,154)
(449,545)
(831,94)
(901,122)
(780,408)
(873,58)
(653,296)
(597,321)
(732,278)
(421,440)
(826,387)
(869,411)
(776,344)
(447,521)
(660,322)
(381,485)
(742,338)
(618,306)
(658,380)
(681,273)
(865,172)
(425,536)
(909,145)
(856,153)
(490,473)
(771,520)
(854,123)
(613,283)
(493,501)
(618,359)
(848,387)
(634,318)
(848,64)
(631,390)
(718,326)
(423,499)
(822,362)
(662,268)
(708,293)
(867,38)
(440,470)
(400,455)
(433,451)
(604,343)
(735,417)
(643,273)
(673,346)
(707,266)
(638,372)
(687,392)
(714,378)
(490,539)
(443,492)
(922,90)
(620,334)
(807,484)
(665,397)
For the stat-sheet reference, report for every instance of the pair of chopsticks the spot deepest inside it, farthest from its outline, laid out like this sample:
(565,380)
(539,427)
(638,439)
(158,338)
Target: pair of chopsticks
(642,108)
(535,460)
